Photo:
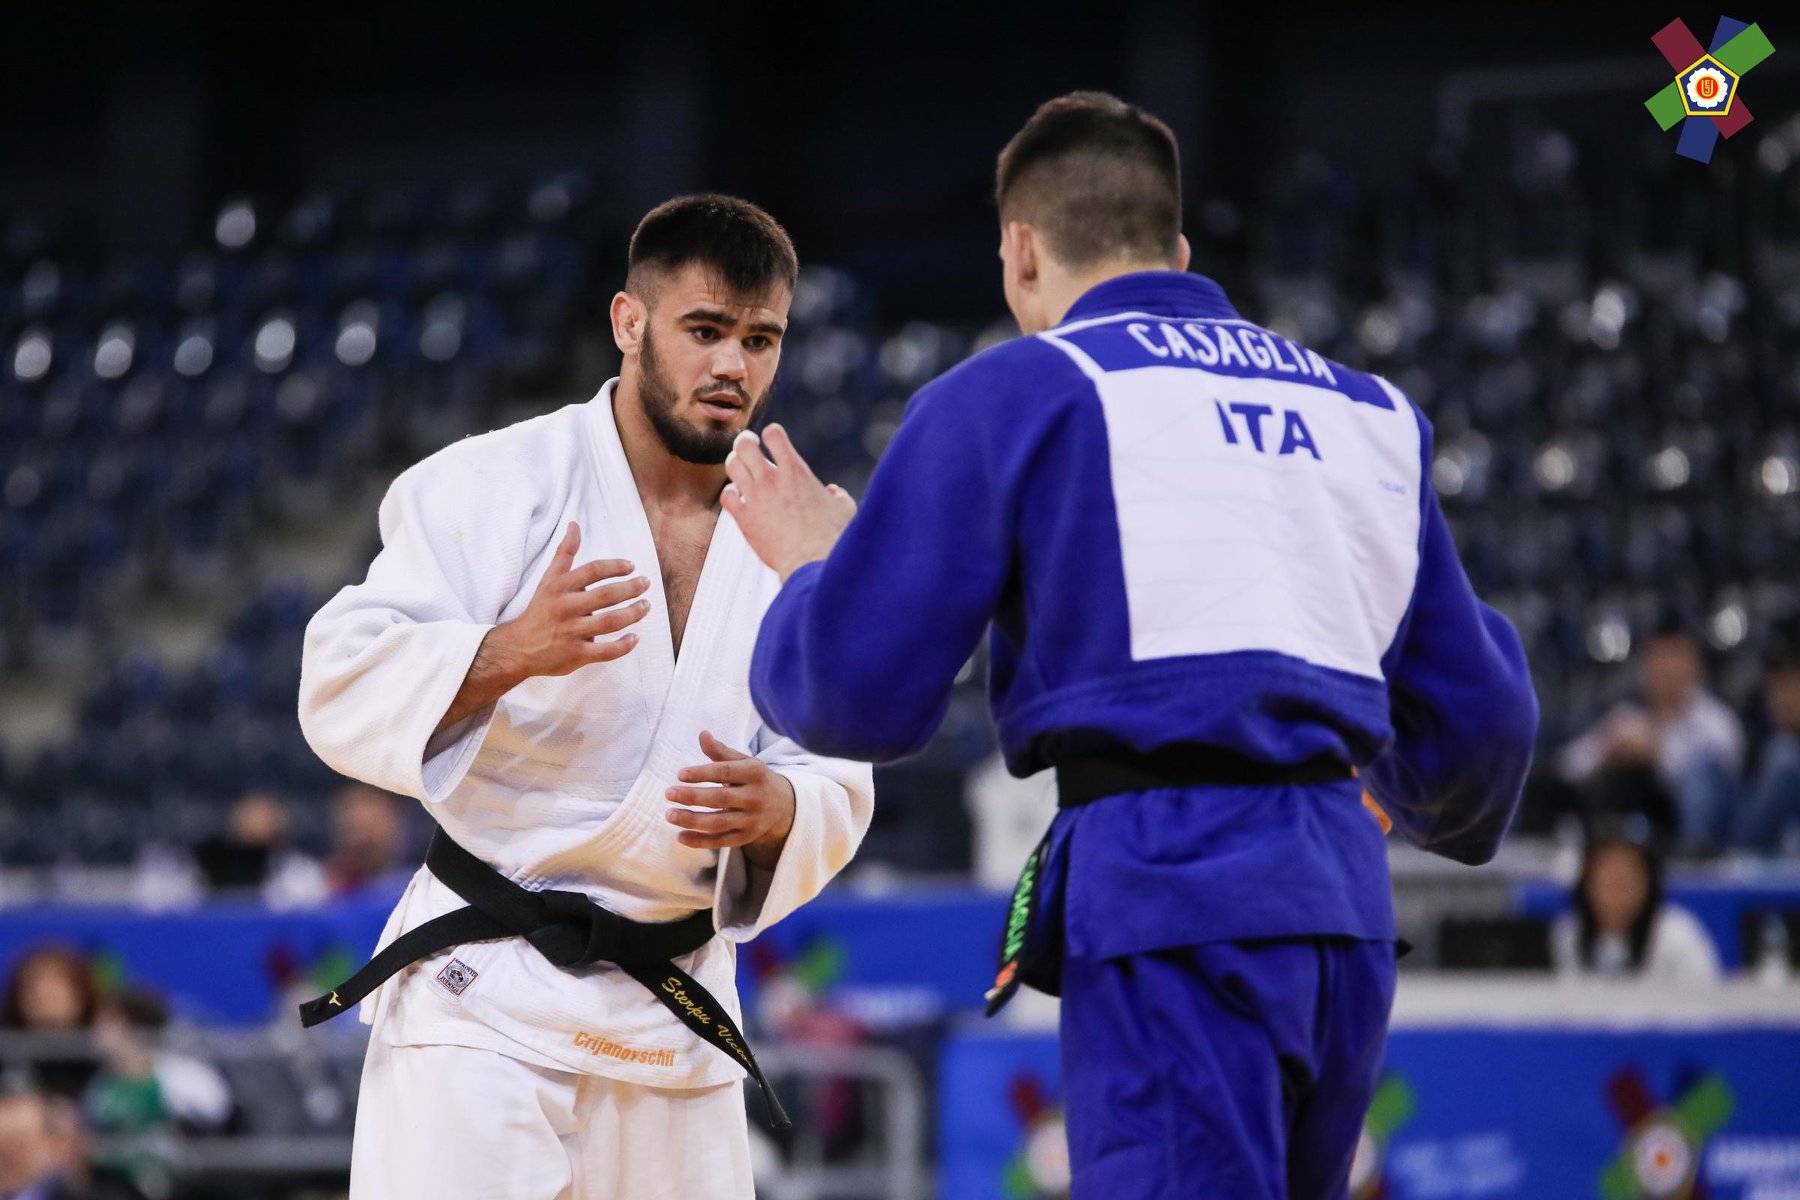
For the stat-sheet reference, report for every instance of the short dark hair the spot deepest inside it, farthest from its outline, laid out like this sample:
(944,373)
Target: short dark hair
(1099,177)
(743,244)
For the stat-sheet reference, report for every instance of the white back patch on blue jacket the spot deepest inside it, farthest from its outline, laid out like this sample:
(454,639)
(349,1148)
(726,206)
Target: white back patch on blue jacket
(1260,507)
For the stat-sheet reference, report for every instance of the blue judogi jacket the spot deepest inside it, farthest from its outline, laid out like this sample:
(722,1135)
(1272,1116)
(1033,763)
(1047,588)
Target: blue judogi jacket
(1179,527)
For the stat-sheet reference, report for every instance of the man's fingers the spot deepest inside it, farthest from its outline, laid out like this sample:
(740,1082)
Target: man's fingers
(706,822)
(781,448)
(716,841)
(725,799)
(589,600)
(738,474)
(845,501)
(590,573)
(732,499)
(716,750)
(746,461)
(610,621)
(599,652)
(736,770)
(565,554)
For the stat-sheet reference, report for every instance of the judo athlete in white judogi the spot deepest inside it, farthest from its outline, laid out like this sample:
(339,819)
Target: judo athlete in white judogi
(587,732)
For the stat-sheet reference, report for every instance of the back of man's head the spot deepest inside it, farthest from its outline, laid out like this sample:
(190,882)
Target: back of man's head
(1099,179)
(741,245)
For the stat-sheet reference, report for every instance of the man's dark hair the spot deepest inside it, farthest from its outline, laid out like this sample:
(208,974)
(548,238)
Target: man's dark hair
(1100,178)
(743,245)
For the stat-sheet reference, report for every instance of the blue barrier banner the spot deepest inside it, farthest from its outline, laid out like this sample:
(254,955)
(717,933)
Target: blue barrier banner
(1462,1113)
(896,960)
(905,958)
(222,963)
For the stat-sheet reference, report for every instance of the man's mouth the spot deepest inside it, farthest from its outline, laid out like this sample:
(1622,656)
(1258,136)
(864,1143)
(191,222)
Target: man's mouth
(721,406)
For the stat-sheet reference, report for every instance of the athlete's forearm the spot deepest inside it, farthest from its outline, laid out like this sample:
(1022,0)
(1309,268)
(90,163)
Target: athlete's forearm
(495,671)
(564,628)
(766,852)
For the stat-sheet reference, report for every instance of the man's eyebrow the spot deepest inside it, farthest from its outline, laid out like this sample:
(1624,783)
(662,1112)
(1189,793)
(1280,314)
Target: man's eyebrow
(713,316)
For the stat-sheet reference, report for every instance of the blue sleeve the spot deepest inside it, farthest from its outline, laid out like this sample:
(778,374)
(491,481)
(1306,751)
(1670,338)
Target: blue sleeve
(1464,714)
(858,653)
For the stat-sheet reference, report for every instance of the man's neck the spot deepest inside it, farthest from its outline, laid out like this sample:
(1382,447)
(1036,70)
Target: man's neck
(665,483)
(1063,289)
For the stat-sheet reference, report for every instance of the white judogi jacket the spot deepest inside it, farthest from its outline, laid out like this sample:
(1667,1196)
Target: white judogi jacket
(560,784)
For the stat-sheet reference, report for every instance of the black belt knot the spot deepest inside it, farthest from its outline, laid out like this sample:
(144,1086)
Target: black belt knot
(569,930)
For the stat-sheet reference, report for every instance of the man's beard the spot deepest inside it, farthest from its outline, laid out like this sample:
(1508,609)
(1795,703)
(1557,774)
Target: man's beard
(706,447)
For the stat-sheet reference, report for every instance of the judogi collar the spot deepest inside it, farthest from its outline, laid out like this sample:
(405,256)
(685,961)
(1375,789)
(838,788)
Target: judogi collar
(1158,293)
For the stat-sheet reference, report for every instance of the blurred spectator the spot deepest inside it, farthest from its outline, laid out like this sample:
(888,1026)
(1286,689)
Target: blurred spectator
(145,1091)
(43,1152)
(254,854)
(1695,742)
(1633,795)
(144,1085)
(53,990)
(27,1170)
(368,837)
(73,1157)
(164,878)
(1622,927)
(1772,808)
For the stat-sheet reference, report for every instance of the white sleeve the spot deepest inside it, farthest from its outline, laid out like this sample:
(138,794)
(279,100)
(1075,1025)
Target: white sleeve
(384,658)
(1681,949)
(833,802)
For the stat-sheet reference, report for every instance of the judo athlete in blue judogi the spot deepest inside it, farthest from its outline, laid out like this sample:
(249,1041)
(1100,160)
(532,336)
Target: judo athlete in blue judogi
(1222,602)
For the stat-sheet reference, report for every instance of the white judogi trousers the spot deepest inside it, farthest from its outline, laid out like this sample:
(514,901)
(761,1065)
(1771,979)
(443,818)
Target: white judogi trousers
(449,1121)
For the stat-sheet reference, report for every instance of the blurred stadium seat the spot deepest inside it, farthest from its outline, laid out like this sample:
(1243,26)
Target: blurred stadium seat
(1615,439)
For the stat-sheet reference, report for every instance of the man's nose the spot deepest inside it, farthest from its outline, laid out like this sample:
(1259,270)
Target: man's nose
(729,362)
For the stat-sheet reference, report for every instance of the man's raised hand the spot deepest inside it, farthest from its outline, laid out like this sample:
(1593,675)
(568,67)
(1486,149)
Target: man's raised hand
(559,630)
(788,516)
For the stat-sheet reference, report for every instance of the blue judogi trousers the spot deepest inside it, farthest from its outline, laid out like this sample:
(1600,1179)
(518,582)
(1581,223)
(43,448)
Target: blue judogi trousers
(1224,1070)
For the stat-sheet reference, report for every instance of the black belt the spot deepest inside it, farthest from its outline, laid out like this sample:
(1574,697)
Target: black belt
(571,931)
(1087,779)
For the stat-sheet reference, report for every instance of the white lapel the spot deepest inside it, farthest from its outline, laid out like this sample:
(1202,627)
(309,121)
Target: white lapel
(708,686)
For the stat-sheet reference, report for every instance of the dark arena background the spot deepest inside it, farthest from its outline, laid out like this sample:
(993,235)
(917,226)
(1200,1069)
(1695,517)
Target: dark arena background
(255,260)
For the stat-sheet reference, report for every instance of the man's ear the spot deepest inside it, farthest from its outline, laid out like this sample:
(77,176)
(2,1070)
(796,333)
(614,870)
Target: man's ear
(1183,252)
(629,318)
(1026,254)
